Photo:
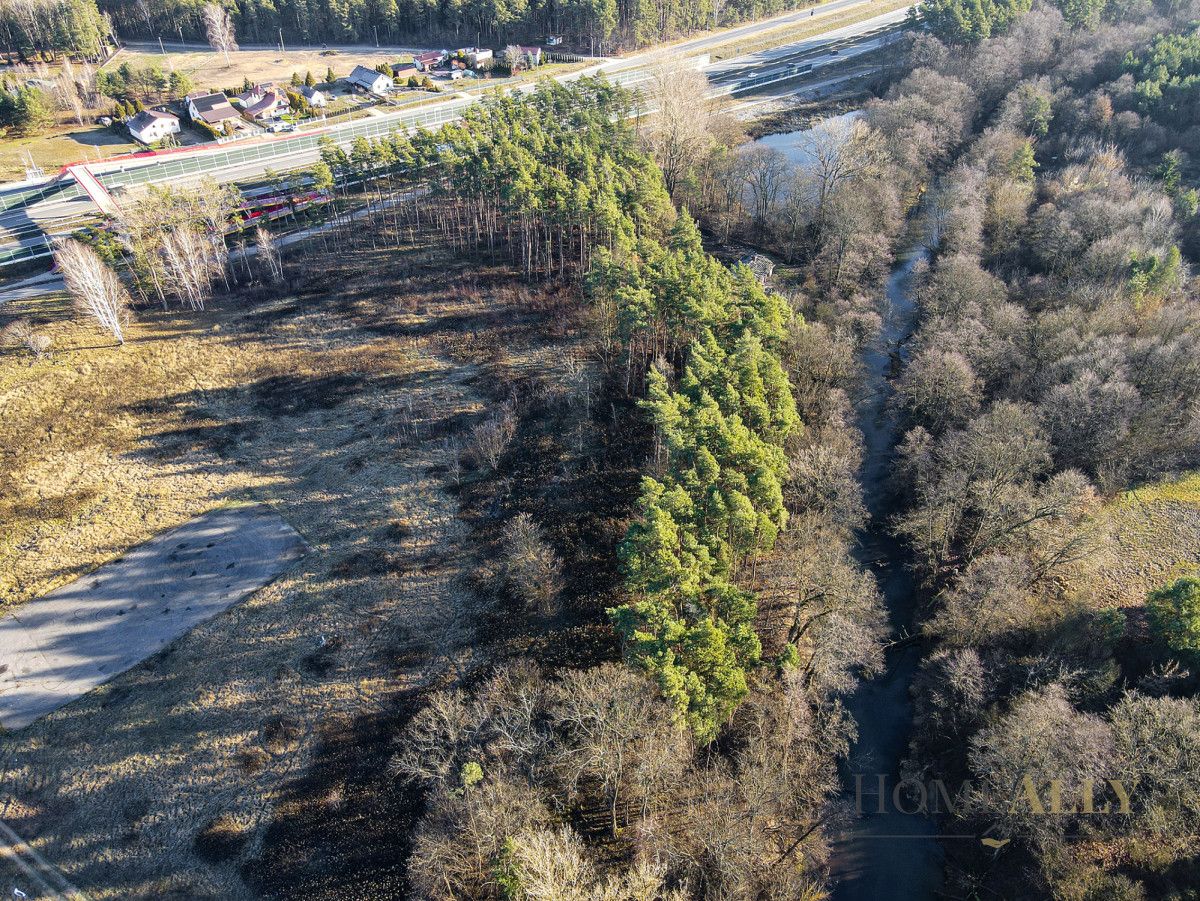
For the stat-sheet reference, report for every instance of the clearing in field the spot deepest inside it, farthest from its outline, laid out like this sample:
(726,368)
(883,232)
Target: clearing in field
(1152,538)
(68,642)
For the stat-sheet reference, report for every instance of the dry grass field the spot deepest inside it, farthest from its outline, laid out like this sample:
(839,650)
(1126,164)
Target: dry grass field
(209,69)
(1152,536)
(64,144)
(340,403)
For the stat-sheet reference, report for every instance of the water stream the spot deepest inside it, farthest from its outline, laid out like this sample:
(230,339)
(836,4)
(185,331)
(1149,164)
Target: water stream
(884,854)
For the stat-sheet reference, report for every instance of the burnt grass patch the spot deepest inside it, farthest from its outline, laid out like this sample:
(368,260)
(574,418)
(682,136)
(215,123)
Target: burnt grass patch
(345,828)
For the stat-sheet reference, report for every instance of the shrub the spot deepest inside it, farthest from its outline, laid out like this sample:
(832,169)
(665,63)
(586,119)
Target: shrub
(21,333)
(531,566)
(1175,614)
(491,438)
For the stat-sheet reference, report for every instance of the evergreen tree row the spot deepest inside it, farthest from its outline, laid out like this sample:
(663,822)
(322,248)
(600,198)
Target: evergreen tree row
(53,27)
(556,180)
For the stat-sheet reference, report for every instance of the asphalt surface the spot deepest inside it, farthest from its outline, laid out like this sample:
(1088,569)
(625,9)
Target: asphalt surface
(64,644)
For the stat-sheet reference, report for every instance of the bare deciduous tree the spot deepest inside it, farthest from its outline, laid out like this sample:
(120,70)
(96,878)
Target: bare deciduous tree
(682,125)
(532,567)
(96,290)
(766,171)
(177,240)
(268,254)
(218,27)
(22,333)
(614,728)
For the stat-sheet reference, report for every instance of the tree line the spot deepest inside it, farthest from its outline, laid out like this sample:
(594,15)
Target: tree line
(34,30)
(603,25)
(739,503)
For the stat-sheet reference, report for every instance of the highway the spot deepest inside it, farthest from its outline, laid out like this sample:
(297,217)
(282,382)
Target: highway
(31,213)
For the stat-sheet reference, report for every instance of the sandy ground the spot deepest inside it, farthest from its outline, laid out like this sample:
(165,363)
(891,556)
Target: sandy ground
(64,644)
(340,410)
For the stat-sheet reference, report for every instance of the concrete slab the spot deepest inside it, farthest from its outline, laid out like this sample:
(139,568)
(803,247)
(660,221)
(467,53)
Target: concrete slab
(62,645)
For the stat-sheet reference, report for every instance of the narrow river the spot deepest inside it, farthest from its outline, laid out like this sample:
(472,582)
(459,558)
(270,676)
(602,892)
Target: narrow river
(885,853)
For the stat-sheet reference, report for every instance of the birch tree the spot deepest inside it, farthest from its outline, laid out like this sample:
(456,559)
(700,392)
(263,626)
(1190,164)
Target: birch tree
(268,254)
(96,290)
(218,27)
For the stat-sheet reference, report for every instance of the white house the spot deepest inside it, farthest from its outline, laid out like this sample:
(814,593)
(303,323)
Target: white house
(263,102)
(313,96)
(370,80)
(533,53)
(151,126)
(429,59)
(476,55)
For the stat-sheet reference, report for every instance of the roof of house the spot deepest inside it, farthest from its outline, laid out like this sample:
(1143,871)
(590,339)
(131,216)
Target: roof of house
(406,70)
(365,77)
(429,55)
(267,104)
(310,92)
(212,107)
(146,117)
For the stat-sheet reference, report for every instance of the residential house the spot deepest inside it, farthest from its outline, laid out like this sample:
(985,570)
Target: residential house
(477,55)
(212,109)
(533,53)
(370,80)
(263,102)
(315,97)
(553,40)
(429,59)
(404,71)
(151,126)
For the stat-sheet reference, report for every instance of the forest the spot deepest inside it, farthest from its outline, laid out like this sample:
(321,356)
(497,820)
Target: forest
(606,25)
(1044,158)
(697,751)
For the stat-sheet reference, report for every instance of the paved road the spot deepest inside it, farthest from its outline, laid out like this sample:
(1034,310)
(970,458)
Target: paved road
(64,644)
(23,225)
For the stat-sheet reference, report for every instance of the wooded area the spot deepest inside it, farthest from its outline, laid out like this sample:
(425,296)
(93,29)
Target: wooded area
(605,25)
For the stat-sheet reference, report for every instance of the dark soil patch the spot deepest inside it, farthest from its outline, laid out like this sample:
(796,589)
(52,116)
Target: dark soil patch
(286,395)
(318,850)
(222,839)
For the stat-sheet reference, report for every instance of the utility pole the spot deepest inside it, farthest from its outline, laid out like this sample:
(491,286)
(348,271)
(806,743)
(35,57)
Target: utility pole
(282,49)
(376,27)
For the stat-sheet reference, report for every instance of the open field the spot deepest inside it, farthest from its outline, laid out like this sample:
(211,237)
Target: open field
(340,404)
(1152,536)
(65,144)
(209,69)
